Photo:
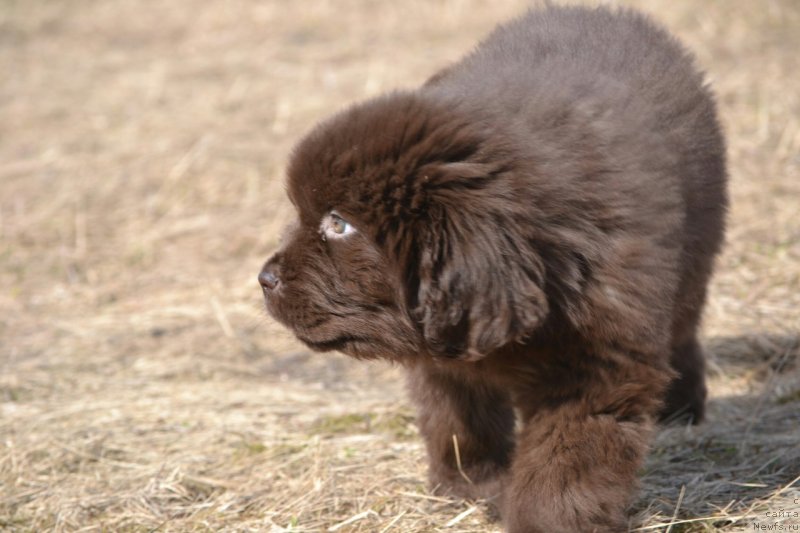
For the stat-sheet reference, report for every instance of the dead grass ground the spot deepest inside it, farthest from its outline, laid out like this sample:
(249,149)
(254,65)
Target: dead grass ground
(142,388)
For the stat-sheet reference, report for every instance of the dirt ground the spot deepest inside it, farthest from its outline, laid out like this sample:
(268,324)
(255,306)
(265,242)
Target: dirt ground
(143,387)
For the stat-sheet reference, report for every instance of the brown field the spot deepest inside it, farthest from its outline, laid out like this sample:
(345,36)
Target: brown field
(143,387)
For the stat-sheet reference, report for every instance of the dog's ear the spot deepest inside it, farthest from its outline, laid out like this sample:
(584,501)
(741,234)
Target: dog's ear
(473,279)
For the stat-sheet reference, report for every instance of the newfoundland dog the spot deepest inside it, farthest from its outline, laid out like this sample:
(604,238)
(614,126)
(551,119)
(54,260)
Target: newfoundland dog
(530,234)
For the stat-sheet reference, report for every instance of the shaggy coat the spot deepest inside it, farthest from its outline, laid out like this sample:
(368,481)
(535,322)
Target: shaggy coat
(530,234)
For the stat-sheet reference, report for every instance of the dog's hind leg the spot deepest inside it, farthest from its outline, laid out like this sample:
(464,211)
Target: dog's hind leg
(686,395)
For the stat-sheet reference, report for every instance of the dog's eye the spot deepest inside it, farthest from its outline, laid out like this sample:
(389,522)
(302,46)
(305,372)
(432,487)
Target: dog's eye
(335,227)
(339,226)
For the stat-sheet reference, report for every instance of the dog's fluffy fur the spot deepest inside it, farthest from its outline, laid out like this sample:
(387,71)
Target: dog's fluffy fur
(531,232)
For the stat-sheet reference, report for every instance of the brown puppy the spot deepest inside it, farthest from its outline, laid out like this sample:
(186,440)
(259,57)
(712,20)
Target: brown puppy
(534,228)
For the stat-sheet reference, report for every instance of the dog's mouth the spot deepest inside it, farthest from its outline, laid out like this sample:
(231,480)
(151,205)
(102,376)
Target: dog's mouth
(336,343)
(316,333)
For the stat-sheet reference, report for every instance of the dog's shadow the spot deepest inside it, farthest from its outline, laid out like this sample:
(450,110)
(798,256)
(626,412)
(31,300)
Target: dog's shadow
(741,465)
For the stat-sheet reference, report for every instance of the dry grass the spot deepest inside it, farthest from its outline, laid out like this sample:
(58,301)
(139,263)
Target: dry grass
(142,388)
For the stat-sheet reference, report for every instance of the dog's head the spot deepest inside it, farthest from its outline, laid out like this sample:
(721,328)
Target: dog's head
(411,237)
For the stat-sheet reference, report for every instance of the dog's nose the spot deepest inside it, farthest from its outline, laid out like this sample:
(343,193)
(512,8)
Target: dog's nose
(268,278)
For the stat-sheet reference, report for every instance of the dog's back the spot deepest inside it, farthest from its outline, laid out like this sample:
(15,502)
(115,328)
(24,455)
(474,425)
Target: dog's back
(610,89)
